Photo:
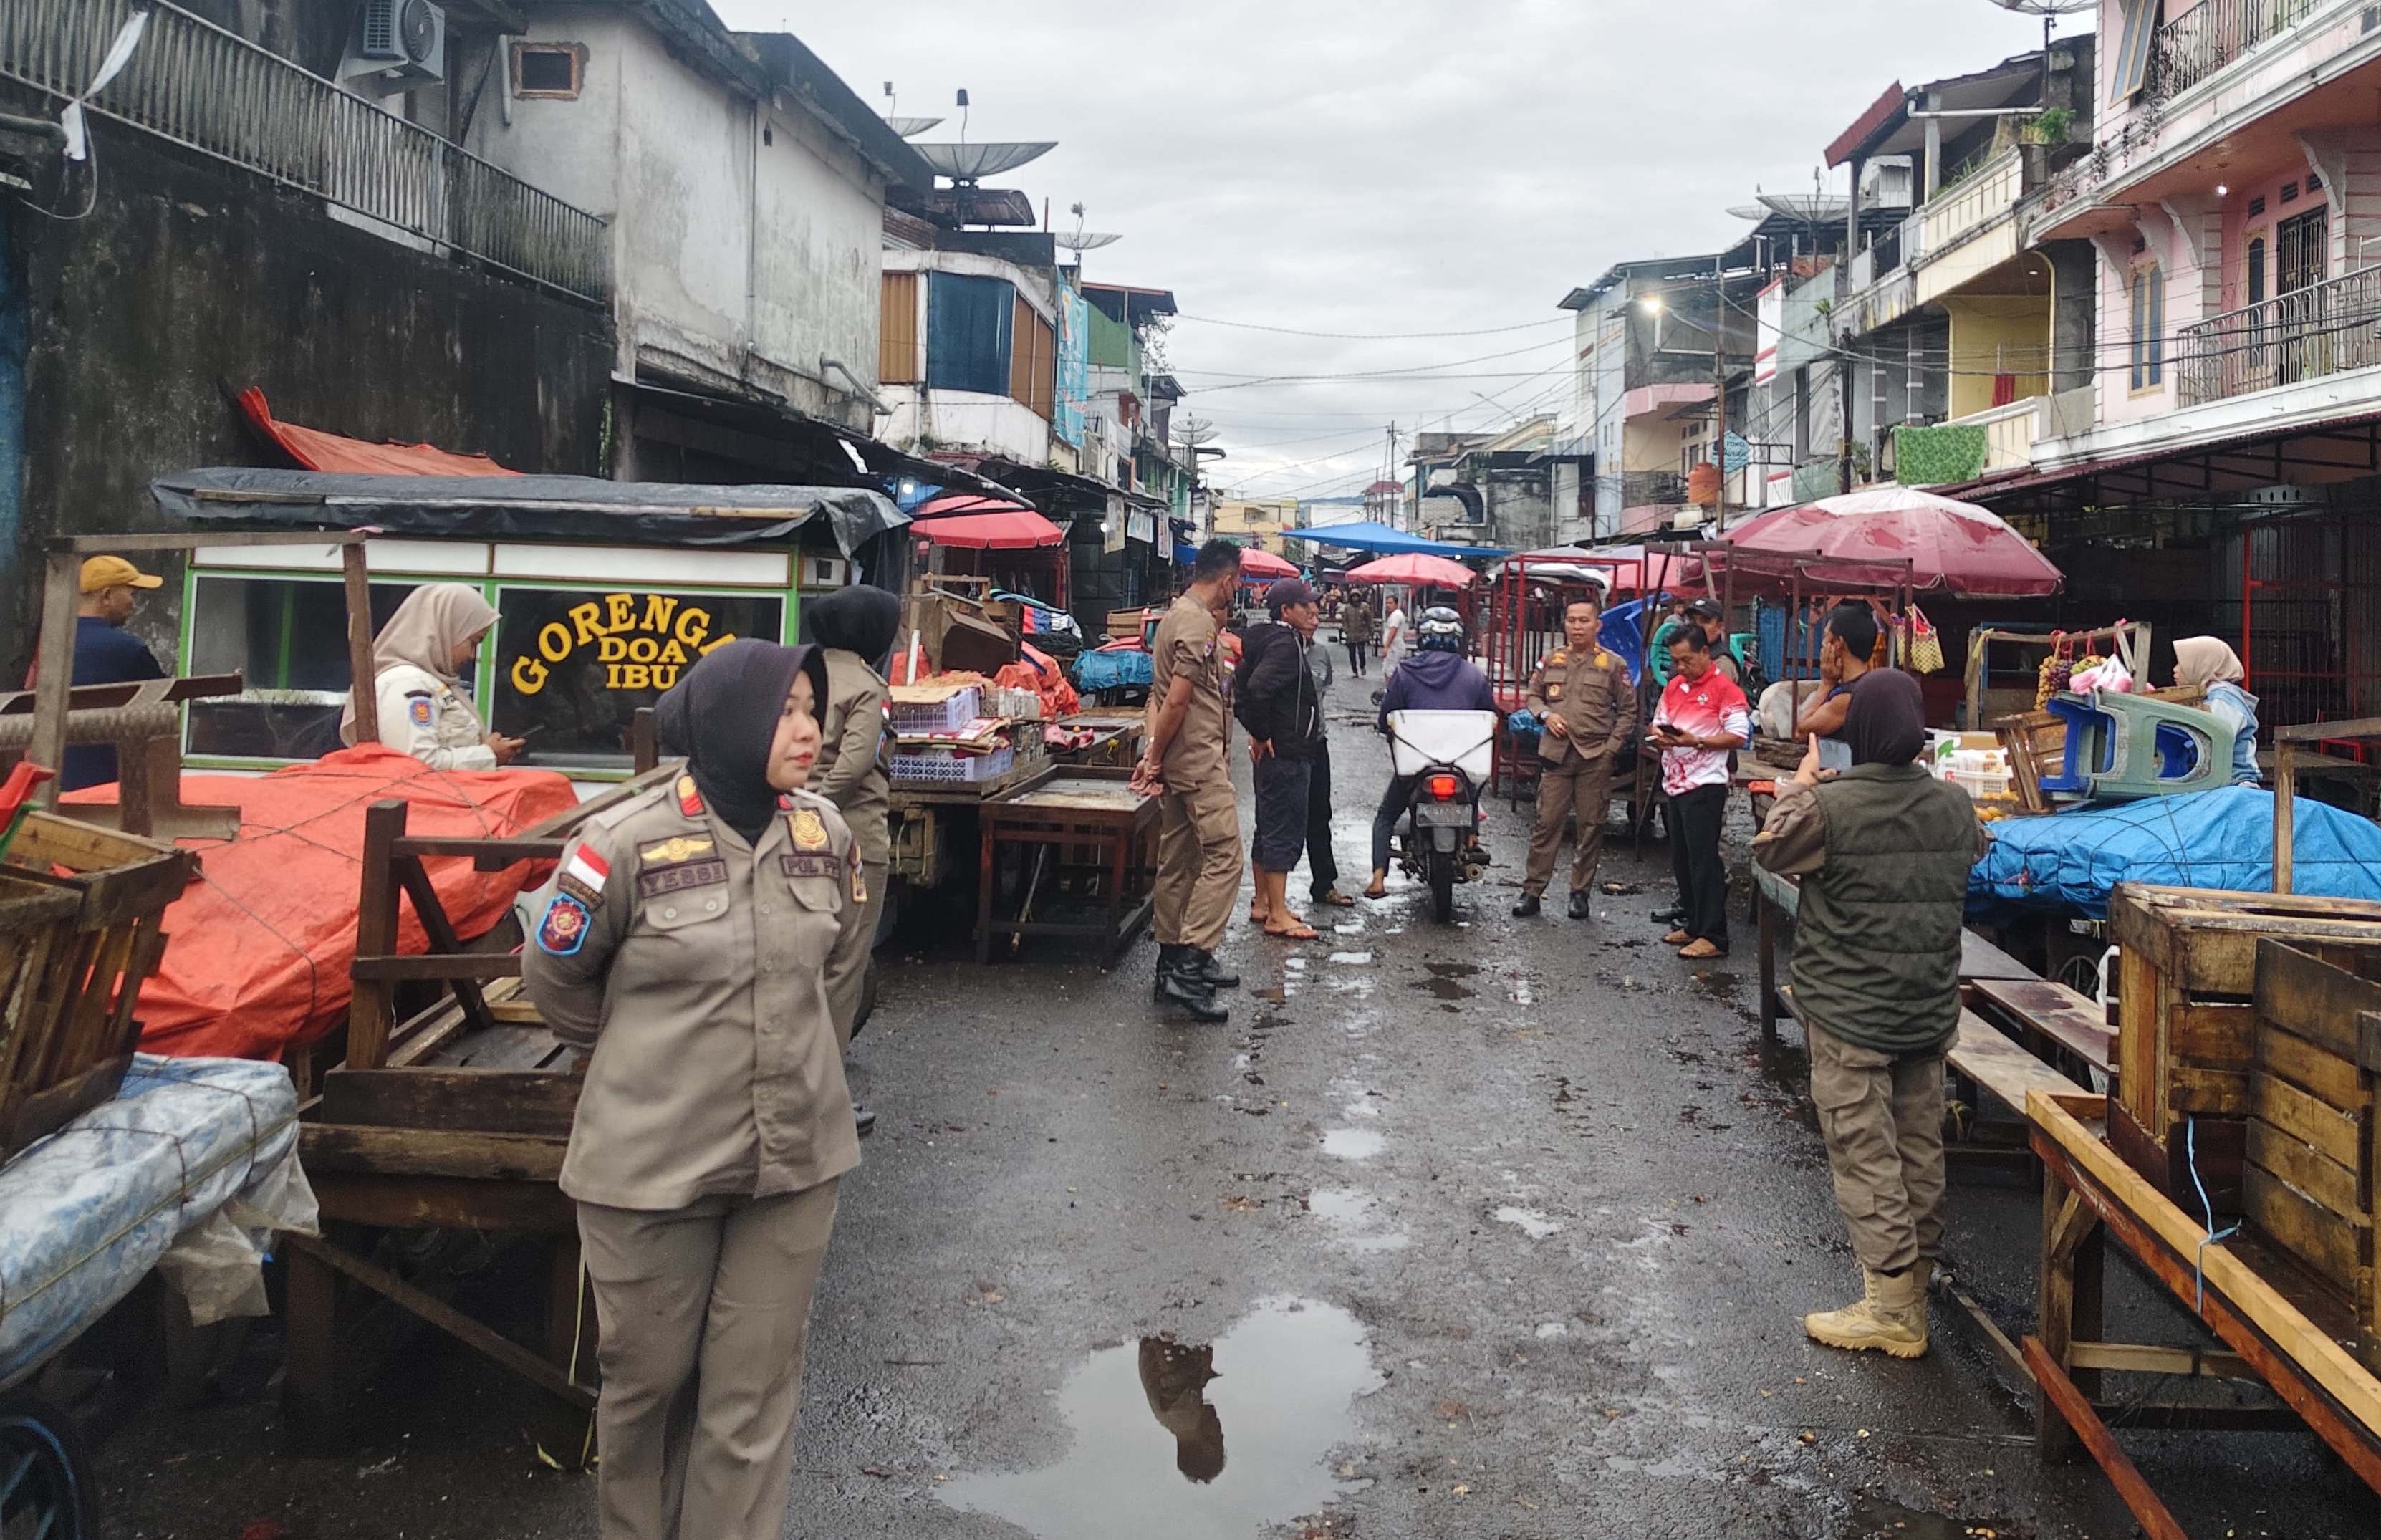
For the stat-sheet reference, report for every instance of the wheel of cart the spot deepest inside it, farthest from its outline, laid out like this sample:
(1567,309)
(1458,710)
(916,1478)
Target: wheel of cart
(47,1491)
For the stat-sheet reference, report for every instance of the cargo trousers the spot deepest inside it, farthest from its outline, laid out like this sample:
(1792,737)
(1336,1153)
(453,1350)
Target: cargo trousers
(1882,1119)
(1579,784)
(704,1314)
(1198,863)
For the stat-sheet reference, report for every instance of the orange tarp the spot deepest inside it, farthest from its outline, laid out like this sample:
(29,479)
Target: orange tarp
(316,450)
(261,944)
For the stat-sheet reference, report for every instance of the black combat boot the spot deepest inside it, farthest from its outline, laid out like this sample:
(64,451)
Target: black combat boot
(1527,909)
(1580,908)
(1179,984)
(1203,967)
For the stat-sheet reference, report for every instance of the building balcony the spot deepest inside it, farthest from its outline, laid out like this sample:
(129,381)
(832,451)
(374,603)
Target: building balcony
(2011,431)
(2199,43)
(2327,328)
(209,91)
(1653,489)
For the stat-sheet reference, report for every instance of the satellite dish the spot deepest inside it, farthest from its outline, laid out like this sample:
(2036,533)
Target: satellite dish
(910,127)
(969,163)
(1086,240)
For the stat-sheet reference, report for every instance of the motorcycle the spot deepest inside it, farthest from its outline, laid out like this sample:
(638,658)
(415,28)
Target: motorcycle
(1447,754)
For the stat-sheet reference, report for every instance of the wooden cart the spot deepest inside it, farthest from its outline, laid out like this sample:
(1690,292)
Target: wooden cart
(1094,839)
(454,1117)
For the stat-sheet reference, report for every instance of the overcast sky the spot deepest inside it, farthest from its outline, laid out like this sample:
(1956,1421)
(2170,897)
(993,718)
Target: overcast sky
(1380,166)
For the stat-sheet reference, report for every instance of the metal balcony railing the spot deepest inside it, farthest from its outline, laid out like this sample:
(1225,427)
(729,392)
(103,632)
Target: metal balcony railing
(2322,329)
(2213,33)
(211,90)
(1652,488)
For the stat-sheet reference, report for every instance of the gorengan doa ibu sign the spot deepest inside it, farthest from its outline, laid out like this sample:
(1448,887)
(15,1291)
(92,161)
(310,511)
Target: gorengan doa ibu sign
(641,644)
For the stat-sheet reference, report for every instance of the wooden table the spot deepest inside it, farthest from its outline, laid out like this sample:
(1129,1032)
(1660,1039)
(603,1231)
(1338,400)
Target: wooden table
(2272,1332)
(1089,823)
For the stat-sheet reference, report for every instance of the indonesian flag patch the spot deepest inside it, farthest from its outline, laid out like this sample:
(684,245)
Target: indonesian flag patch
(583,875)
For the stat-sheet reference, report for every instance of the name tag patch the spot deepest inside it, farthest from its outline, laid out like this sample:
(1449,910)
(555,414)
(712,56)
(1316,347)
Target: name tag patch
(564,929)
(804,864)
(656,880)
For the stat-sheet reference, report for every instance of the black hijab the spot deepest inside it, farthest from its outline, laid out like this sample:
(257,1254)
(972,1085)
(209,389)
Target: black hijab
(862,620)
(1886,723)
(722,716)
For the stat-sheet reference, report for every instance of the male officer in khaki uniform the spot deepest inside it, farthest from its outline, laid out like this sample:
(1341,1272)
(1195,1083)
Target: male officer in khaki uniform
(1199,827)
(1584,696)
(690,959)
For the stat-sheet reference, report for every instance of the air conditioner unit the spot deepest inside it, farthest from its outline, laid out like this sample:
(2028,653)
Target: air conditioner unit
(399,45)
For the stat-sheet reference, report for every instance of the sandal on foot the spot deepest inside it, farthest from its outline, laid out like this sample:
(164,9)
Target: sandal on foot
(1701,950)
(1295,933)
(1336,899)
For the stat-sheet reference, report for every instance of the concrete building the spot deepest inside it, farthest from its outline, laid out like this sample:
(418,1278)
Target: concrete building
(1256,521)
(742,189)
(2216,464)
(969,361)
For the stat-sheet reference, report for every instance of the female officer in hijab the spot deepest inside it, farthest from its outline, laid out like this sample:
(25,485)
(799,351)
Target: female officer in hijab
(418,660)
(684,939)
(855,626)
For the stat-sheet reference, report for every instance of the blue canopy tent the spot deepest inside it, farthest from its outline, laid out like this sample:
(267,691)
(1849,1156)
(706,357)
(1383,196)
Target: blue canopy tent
(1384,540)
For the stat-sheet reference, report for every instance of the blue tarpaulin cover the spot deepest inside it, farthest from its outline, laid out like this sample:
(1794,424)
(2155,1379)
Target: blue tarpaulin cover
(85,1214)
(1112,668)
(1369,535)
(2067,861)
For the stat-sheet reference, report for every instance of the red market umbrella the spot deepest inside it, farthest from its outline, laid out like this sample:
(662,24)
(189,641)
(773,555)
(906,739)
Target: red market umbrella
(1016,529)
(1422,570)
(1951,546)
(1260,565)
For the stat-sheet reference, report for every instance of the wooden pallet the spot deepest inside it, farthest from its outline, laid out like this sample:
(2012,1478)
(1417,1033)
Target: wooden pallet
(2186,983)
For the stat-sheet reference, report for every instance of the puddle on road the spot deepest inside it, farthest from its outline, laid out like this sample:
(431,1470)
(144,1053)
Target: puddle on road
(1352,1143)
(1875,1519)
(1528,1221)
(1352,1210)
(1718,985)
(1353,960)
(1180,1442)
(1442,984)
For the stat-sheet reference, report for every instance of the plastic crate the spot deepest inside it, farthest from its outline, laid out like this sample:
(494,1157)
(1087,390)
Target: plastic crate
(951,767)
(948,715)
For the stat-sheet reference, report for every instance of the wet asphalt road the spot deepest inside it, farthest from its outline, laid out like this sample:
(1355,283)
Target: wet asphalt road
(1497,1229)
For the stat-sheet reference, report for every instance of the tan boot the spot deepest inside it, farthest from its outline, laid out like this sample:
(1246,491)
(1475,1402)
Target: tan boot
(1890,1315)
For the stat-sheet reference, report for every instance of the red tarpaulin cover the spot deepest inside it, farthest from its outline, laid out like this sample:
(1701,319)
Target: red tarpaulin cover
(261,941)
(1951,544)
(316,450)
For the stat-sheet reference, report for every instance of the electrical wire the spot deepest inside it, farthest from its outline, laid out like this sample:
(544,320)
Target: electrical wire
(1375,337)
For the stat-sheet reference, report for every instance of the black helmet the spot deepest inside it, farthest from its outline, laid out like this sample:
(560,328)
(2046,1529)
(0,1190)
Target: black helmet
(1440,631)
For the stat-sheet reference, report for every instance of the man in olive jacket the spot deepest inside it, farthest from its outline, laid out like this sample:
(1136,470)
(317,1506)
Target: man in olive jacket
(1883,851)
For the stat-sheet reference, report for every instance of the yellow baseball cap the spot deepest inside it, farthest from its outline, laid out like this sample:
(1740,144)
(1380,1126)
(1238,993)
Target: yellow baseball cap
(101,573)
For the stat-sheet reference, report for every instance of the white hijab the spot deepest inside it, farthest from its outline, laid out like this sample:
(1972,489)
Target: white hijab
(428,627)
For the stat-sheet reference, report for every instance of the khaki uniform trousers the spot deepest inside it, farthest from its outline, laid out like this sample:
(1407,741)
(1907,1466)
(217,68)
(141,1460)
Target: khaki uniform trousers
(704,1313)
(1198,864)
(846,966)
(1882,1117)
(1577,783)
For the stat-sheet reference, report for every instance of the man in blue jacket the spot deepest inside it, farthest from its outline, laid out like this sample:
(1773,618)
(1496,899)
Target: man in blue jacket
(1438,677)
(105,654)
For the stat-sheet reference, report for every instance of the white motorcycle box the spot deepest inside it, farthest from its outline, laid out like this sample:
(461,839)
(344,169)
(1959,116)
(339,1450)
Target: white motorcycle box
(1465,740)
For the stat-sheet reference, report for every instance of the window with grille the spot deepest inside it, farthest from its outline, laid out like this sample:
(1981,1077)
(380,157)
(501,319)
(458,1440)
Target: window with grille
(2302,247)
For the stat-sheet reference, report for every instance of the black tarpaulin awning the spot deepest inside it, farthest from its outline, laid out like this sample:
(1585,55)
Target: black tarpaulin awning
(524,507)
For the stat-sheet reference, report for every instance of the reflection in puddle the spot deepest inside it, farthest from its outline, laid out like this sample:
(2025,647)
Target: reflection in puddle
(1243,1428)
(1528,1221)
(1352,1143)
(1351,1209)
(1873,1518)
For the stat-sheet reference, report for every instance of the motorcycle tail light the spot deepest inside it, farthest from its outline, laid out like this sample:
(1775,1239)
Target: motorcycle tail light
(1443,787)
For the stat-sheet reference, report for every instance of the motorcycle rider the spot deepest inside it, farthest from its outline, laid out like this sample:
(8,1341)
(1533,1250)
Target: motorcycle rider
(1436,677)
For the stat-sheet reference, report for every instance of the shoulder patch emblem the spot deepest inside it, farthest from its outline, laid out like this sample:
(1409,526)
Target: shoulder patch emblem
(809,829)
(583,876)
(669,852)
(418,709)
(690,801)
(564,929)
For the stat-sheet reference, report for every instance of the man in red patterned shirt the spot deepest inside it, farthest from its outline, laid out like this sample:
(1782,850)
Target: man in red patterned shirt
(1702,717)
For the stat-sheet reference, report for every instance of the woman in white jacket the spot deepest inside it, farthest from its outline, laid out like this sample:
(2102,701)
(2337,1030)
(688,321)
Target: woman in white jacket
(417,662)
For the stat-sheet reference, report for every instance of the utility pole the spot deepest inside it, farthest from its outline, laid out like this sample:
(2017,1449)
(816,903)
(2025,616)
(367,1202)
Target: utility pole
(1390,474)
(1719,389)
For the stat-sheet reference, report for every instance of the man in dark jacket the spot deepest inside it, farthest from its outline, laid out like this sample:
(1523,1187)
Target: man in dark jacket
(1436,677)
(1883,852)
(106,654)
(1275,698)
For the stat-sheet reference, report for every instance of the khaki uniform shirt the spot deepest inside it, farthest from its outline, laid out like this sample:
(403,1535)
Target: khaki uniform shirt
(1591,694)
(424,716)
(695,966)
(1189,654)
(852,771)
